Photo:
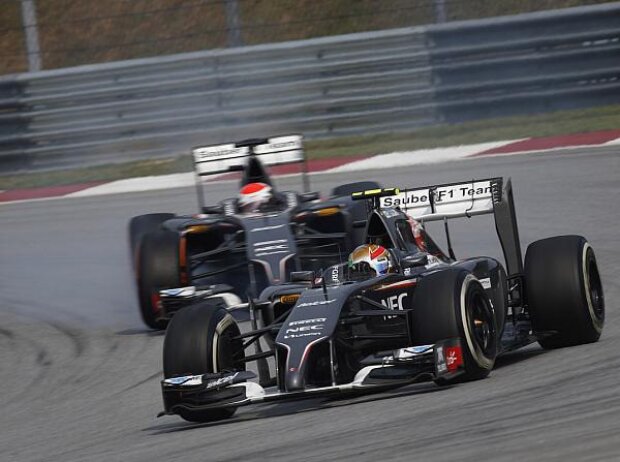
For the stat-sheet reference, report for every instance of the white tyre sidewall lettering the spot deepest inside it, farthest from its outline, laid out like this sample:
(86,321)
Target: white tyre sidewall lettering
(219,330)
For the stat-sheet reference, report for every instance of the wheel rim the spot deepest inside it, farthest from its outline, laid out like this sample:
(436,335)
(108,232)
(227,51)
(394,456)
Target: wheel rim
(227,349)
(482,324)
(595,290)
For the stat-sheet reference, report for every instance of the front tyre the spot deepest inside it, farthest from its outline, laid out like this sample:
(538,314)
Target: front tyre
(452,303)
(200,339)
(564,291)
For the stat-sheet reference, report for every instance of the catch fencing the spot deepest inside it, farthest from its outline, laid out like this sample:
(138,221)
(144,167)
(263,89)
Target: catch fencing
(366,83)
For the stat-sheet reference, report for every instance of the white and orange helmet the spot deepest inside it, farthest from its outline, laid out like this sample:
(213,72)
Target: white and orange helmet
(253,195)
(371,257)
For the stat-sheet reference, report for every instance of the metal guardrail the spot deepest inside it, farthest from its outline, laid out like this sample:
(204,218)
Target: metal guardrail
(353,84)
(527,64)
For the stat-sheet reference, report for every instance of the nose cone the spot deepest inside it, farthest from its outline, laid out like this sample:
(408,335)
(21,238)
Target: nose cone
(295,379)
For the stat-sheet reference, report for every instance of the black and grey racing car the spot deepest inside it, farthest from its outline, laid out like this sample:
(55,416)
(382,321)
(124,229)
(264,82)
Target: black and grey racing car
(432,318)
(226,253)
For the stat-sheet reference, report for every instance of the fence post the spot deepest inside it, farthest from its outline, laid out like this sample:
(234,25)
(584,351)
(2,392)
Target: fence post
(440,10)
(29,23)
(233,26)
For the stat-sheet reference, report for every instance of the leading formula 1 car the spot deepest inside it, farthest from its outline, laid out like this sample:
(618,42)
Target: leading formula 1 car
(245,243)
(417,314)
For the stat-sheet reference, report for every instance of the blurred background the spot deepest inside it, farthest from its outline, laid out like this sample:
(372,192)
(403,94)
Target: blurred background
(134,84)
(98,90)
(74,32)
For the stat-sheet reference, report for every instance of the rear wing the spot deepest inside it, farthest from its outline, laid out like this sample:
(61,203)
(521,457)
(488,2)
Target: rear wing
(432,203)
(222,158)
(455,200)
(250,157)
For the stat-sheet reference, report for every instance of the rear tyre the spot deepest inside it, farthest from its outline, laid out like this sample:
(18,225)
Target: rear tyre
(564,291)
(157,268)
(199,340)
(452,303)
(139,226)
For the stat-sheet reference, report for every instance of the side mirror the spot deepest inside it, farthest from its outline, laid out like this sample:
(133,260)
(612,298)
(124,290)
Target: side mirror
(306,277)
(212,209)
(309,196)
(413,261)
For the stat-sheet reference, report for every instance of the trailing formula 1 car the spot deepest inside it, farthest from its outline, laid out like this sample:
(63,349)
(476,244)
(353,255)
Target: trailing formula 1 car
(399,311)
(245,243)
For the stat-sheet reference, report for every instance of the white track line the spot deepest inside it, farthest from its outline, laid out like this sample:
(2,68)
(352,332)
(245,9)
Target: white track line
(613,142)
(381,161)
(147,183)
(420,156)
(551,150)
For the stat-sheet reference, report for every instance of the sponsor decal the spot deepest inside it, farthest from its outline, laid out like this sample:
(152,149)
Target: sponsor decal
(221,382)
(397,285)
(281,143)
(443,194)
(287,144)
(305,328)
(411,352)
(229,208)
(335,274)
(454,358)
(224,150)
(407,271)
(307,321)
(186,380)
(395,302)
(317,303)
(390,213)
(266,228)
(289,299)
(204,154)
(486,283)
(189,291)
(462,192)
(433,261)
(270,247)
(406,198)
(441,360)
(419,349)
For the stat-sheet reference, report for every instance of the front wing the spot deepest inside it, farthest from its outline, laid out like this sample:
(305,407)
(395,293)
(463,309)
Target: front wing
(443,360)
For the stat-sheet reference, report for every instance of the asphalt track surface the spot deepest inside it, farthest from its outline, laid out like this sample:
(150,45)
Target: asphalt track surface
(80,375)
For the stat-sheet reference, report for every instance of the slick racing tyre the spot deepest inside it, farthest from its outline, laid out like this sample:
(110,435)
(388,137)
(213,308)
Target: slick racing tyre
(452,303)
(564,291)
(200,340)
(157,268)
(139,226)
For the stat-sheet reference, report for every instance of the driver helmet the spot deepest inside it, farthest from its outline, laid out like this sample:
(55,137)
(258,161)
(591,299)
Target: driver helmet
(372,258)
(253,195)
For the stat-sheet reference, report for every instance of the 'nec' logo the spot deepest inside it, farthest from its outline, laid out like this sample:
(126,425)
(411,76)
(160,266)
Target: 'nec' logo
(395,302)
